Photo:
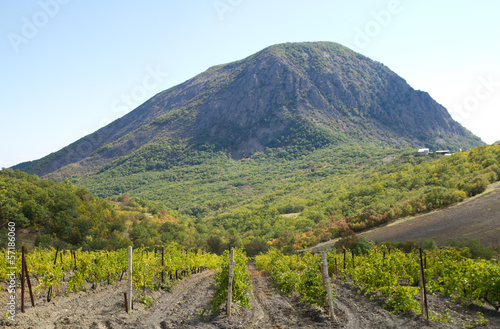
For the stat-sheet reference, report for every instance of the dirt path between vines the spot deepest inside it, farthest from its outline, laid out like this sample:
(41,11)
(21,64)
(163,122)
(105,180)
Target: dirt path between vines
(103,308)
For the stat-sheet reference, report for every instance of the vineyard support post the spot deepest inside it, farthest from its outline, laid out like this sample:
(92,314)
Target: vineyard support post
(423,292)
(74,256)
(162,265)
(22,280)
(126,302)
(344,261)
(323,273)
(326,280)
(129,278)
(49,293)
(55,258)
(230,283)
(352,256)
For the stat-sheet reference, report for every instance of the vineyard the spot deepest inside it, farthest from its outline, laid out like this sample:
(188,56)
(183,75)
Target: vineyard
(81,271)
(178,288)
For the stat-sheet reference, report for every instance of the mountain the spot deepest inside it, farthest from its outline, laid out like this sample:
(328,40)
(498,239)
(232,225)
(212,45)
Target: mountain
(295,96)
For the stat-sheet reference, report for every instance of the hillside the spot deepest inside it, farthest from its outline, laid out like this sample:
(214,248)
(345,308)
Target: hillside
(52,214)
(477,217)
(295,128)
(299,97)
(333,197)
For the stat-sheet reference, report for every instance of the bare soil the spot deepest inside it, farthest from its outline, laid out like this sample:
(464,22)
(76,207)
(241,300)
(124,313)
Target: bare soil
(477,217)
(103,307)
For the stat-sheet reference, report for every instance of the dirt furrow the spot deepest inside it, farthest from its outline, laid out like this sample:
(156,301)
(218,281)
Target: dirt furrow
(103,308)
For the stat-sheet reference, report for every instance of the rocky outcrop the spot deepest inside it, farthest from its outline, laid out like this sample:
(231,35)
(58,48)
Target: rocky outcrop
(321,92)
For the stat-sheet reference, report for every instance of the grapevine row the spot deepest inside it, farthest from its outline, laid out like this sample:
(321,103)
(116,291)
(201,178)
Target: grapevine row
(241,283)
(295,273)
(394,275)
(80,269)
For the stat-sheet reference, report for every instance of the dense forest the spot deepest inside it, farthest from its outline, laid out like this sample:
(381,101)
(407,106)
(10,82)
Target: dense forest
(255,203)
(59,214)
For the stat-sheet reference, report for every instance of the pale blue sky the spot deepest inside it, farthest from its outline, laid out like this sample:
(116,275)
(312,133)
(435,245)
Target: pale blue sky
(69,67)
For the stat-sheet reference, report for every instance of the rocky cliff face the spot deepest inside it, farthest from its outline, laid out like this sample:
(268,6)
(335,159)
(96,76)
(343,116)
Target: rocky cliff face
(310,94)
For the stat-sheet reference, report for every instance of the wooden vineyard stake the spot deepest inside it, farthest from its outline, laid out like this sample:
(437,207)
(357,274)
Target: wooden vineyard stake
(344,261)
(74,256)
(25,265)
(326,282)
(423,292)
(352,255)
(162,265)
(323,274)
(230,283)
(126,302)
(55,258)
(130,278)
(49,293)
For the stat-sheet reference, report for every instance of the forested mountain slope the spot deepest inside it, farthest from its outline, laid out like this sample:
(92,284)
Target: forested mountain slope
(295,128)
(297,96)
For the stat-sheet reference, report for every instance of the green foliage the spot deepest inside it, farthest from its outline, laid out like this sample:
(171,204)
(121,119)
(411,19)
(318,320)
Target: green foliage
(206,193)
(464,279)
(68,216)
(444,317)
(80,268)
(343,182)
(448,271)
(402,299)
(44,241)
(362,246)
(428,244)
(475,248)
(379,272)
(241,282)
(59,210)
(294,273)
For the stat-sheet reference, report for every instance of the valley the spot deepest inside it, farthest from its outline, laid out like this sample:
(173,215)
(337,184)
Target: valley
(298,147)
